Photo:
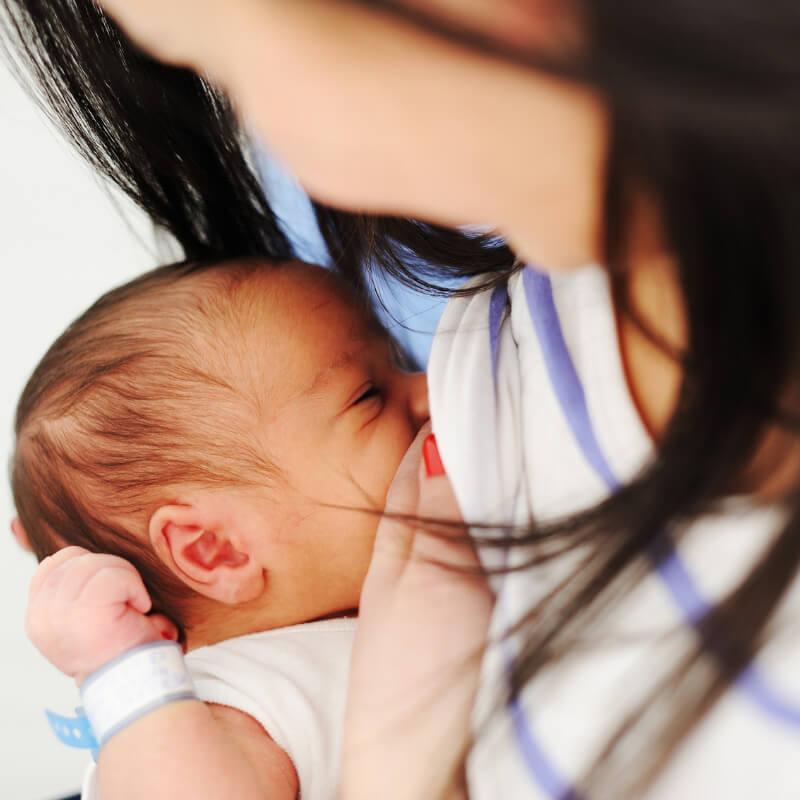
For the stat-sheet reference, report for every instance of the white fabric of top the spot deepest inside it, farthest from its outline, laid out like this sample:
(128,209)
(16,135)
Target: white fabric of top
(293,681)
(511,452)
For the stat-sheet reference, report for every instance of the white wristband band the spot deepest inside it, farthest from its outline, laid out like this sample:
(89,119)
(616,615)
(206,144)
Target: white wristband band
(133,684)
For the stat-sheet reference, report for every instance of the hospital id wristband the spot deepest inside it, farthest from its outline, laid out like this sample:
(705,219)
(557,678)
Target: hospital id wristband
(132,685)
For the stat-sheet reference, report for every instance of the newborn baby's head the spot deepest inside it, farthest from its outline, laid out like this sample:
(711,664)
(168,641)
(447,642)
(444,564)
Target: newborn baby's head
(223,428)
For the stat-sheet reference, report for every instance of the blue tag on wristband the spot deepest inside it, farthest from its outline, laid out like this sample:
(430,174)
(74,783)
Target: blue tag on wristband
(125,689)
(73,731)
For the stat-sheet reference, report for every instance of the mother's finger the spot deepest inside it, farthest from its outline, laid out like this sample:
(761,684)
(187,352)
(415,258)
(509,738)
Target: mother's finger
(441,537)
(395,536)
(404,491)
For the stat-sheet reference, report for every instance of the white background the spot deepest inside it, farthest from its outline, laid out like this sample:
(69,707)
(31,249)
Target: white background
(62,243)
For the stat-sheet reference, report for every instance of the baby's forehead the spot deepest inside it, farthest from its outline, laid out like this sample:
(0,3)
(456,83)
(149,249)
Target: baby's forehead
(296,295)
(288,318)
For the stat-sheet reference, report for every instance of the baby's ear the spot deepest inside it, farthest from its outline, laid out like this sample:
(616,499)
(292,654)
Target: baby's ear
(206,554)
(20,535)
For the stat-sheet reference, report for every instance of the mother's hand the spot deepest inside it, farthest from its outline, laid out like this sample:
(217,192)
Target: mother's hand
(417,652)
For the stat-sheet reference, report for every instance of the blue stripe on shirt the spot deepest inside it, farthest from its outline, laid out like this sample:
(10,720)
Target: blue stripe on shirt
(572,400)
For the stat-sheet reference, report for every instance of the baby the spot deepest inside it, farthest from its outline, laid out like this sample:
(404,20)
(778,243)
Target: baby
(231,432)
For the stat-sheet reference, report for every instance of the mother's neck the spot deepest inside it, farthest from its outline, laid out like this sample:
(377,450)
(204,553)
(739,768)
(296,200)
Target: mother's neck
(652,336)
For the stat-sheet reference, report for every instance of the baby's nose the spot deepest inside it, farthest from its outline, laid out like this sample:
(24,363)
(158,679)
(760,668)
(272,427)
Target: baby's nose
(418,408)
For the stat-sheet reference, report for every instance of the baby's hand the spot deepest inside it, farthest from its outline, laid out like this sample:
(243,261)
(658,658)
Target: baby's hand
(84,609)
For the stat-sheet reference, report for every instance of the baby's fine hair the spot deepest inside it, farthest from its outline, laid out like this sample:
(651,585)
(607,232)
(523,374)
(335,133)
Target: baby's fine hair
(139,397)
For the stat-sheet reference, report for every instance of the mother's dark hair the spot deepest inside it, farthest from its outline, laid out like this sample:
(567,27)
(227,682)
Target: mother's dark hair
(705,112)
(171,142)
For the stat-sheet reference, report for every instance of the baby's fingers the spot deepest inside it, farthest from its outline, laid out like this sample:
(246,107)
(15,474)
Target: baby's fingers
(71,579)
(114,581)
(51,565)
(163,626)
(74,576)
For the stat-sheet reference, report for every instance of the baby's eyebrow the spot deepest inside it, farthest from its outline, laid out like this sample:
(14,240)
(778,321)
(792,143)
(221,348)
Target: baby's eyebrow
(345,359)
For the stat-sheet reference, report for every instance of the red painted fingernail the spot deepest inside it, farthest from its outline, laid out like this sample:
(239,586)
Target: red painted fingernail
(430,454)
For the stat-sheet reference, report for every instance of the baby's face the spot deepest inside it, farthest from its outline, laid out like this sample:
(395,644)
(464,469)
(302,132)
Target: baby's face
(338,416)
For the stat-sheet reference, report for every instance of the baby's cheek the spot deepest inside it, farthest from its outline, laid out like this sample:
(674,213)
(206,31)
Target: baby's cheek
(402,438)
(385,454)
(402,435)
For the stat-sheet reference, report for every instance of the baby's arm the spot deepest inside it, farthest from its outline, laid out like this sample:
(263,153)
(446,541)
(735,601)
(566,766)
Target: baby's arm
(190,749)
(84,610)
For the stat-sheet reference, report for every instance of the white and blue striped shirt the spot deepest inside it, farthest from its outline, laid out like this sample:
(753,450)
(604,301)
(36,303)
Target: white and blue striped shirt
(533,417)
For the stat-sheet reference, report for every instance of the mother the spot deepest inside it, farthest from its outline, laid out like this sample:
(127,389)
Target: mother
(661,141)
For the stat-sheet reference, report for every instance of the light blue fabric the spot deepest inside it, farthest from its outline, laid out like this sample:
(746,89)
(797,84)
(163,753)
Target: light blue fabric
(411,316)
(73,731)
